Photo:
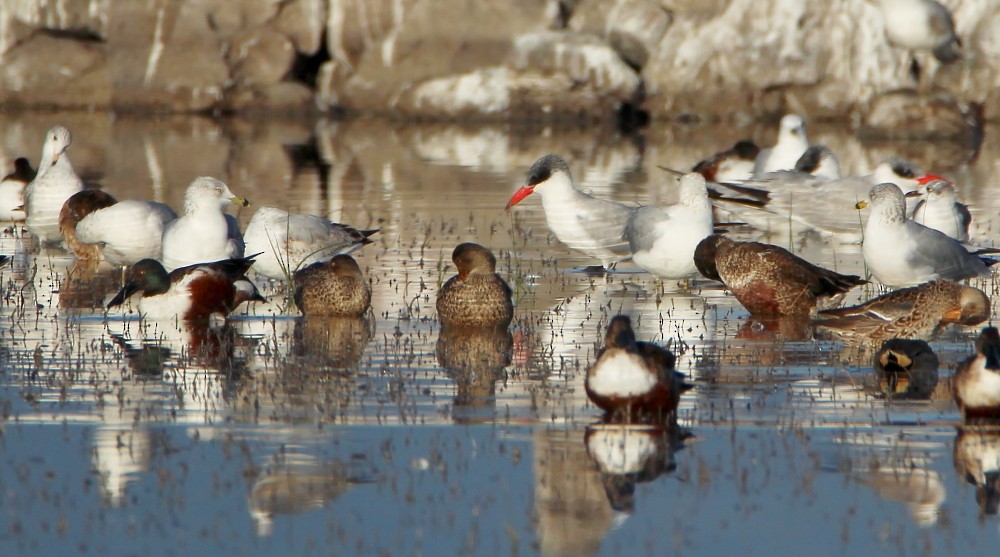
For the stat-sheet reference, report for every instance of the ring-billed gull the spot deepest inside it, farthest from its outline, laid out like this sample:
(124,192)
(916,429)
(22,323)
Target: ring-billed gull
(203,233)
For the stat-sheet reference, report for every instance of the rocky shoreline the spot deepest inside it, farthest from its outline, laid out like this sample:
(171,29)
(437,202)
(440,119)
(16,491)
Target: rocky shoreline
(588,60)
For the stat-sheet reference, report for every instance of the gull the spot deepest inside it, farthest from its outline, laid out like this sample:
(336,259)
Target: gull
(288,242)
(791,144)
(53,185)
(663,240)
(584,223)
(921,25)
(819,161)
(203,233)
(941,210)
(900,252)
(96,226)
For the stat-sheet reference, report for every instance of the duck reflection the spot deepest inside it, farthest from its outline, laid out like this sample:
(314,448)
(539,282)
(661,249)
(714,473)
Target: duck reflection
(87,285)
(906,369)
(475,359)
(299,483)
(631,454)
(977,459)
(181,346)
(790,328)
(332,342)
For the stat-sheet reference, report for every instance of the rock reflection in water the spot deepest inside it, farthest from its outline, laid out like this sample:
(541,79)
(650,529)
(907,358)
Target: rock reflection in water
(977,461)
(475,359)
(573,510)
(631,454)
(299,483)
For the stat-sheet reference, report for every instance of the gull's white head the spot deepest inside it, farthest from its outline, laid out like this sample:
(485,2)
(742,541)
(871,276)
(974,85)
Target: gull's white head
(793,128)
(888,203)
(693,190)
(206,192)
(57,140)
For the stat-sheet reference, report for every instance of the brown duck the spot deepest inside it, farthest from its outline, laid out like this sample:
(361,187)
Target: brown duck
(334,288)
(476,296)
(915,312)
(768,280)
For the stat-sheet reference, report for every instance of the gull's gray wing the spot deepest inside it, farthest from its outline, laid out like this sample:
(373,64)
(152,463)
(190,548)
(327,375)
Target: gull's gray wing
(949,259)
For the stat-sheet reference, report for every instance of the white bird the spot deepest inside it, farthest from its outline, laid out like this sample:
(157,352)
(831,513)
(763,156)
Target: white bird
(921,25)
(941,210)
(792,143)
(732,165)
(663,240)
(900,252)
(287,242)
(586,224)
(204,233)
(12,190)
(799,202)
(96,226)
(53,185)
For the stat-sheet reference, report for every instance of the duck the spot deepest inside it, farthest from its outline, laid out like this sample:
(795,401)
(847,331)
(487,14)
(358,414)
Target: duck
(203,232)
(900,252)
(288,242)
(916,312)
(731,165)
(96,226)
(476,296)
(977,459)
(12,190)
(632,380)
(334,288)
(976,387)
(906,368)
(792,143)
(190,294)
(941,210)
(582,222)
(663,240)
(769,280)
(54,183)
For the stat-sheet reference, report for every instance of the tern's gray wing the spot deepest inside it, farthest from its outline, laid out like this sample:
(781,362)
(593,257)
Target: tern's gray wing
(640,230)
(949,259)
(604,221)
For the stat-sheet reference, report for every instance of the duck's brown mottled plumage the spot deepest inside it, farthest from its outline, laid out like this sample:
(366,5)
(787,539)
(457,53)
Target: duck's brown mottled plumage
(335,288)
(769,280)
(659,401)
(73,210)
(915,312)
(906,368)
(476,296)
(976,386)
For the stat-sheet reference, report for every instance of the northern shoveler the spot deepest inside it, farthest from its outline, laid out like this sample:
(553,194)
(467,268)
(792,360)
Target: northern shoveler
(633,380)
(976,386)
(191,293)
(769,280)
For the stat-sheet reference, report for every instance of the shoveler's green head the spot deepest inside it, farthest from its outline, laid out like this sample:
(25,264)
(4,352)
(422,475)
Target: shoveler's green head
(147,276)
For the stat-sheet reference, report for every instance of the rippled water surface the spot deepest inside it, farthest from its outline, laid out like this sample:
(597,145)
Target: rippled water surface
(278,436)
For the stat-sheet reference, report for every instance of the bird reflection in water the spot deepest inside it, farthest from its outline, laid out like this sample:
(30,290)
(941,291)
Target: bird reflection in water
(299,483)
(977,460)
(332,343)
(476,359)
(628,455)
(186,346)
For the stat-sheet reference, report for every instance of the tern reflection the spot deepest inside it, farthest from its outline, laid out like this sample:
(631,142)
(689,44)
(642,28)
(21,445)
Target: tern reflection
(475,360)
(977,460)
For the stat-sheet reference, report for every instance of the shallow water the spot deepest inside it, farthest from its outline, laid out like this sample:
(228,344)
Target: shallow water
(276,436)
